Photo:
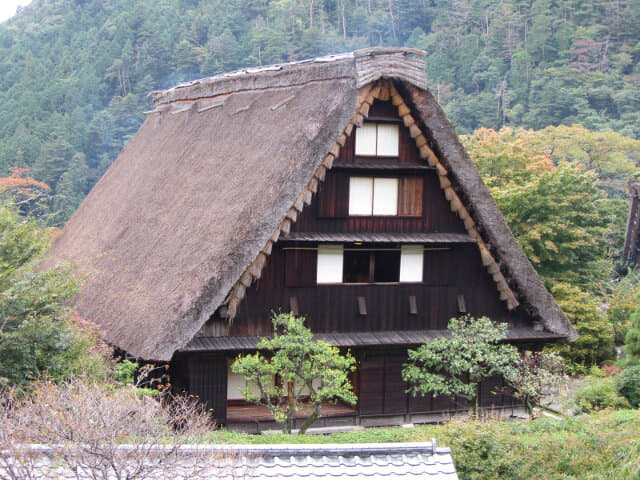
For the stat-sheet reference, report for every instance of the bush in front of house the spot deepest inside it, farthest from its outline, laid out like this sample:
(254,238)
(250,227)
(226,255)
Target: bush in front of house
(599,393)
(38,335)
(98,431)
(629,385)
(307,368)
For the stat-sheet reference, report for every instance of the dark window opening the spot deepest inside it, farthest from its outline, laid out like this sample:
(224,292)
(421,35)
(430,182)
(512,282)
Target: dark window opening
(366,266)
(387,267)
(356,266)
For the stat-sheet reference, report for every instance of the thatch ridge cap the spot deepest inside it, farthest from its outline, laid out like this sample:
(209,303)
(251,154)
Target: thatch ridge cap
(370,64)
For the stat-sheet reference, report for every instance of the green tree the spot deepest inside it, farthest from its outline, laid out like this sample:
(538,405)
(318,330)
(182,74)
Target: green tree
(71,189)
(304,367)
(632,337)
(563,220)
(36,337)
(456,366)
(536,373)
(595,342)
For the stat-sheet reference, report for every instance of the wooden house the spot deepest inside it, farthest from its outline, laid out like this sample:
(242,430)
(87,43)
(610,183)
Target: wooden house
(335,188)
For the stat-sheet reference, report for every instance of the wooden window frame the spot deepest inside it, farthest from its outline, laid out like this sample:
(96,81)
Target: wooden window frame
(409,197)
(370,250)
(377,148)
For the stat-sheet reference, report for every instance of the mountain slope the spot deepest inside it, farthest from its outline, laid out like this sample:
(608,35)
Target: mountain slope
(74,74)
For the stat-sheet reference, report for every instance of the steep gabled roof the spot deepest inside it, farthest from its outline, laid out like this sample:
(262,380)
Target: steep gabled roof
(183,220)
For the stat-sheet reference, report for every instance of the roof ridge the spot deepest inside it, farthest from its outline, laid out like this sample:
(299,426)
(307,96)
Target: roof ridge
(370,65)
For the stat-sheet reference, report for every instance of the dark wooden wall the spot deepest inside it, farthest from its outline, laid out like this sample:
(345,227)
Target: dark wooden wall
(448,272)
(334,308)
(205,376)
(329,210)
(382,391)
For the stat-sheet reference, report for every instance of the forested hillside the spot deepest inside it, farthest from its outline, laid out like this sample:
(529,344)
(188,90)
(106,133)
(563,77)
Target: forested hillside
(74,74)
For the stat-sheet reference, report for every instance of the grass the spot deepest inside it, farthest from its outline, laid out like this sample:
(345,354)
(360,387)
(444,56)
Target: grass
(602,445)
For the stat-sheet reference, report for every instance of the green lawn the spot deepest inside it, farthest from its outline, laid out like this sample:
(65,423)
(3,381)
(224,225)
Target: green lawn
(604,445)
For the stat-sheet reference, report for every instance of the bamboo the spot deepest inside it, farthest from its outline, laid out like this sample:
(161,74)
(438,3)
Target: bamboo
(328,161)
(308,196)
(449,193)
(444,181)
(468,222)
(408,121)
(456,204)
(268,246)
(403,110)
(348,129)
(321,173)
(246,279)
(240,292)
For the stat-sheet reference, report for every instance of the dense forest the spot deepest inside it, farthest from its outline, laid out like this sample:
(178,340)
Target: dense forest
(545,93)
(75,74)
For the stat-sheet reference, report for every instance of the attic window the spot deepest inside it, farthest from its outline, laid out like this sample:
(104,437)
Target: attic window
(386,196)
(377,140)
(373,196)
(366,264)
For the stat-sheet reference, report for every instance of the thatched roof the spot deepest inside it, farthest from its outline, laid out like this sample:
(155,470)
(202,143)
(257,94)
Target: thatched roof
(183,220)
(630,252)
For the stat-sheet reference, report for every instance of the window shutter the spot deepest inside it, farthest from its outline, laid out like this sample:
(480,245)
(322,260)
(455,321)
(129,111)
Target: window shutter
(366,139)
(385,196)
(360,195)
(411,263)
(329,268)
(410,196)
(387,140)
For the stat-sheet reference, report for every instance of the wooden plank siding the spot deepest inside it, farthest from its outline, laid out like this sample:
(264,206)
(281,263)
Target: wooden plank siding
(383,392)
(454,279)
(329,209)
(450,272)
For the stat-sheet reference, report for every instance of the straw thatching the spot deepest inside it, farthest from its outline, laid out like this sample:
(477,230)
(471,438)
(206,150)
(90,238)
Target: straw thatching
(183,220)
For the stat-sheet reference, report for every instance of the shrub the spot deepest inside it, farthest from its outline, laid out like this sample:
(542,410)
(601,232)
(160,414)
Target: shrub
(305,367)
(599,393)
(629,385)
(596,341)
(37,337)
(87,422)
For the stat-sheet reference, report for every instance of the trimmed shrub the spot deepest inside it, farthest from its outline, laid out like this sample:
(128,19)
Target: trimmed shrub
(599,393)
(629,385)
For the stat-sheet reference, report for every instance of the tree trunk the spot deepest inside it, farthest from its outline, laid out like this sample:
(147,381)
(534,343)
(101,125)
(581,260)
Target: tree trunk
(311,420)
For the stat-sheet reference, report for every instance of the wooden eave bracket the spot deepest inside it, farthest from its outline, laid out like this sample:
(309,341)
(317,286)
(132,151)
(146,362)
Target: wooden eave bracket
(382,90)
